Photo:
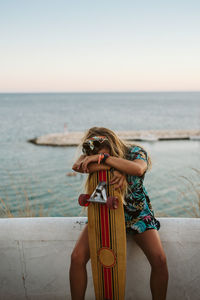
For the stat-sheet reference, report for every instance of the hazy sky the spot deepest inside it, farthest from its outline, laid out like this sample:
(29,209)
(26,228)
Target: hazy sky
(110,45)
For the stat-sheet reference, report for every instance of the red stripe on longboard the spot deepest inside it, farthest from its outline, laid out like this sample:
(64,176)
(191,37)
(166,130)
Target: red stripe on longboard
(106,241)
(102,227)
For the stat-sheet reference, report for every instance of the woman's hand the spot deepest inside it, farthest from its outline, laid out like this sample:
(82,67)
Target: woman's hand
(77,164)
(118,179)
(88,159)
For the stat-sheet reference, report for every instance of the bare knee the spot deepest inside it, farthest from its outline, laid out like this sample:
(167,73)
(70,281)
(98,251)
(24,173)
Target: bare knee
(159,261)
(78,258)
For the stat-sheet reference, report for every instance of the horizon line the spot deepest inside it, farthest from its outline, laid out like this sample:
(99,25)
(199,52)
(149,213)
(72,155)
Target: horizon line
(97,92)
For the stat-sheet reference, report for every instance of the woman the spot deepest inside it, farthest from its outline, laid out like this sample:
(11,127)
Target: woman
(130,164)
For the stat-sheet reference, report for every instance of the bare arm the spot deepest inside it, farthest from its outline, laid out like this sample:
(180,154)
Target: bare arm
(136,167)
(92,167)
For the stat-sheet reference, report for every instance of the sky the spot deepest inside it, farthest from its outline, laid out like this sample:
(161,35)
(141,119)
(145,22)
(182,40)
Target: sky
(99,46)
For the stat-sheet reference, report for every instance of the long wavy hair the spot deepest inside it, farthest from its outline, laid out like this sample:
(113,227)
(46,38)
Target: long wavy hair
(118,147)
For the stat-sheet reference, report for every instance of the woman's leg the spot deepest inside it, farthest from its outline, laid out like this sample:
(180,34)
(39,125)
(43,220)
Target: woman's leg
(78,272)
(149,241)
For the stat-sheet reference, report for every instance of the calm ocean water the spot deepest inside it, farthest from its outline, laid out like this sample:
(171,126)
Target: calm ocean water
(39,172)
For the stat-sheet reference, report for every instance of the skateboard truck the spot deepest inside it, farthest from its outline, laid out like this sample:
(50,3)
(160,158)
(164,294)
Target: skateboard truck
(99,194)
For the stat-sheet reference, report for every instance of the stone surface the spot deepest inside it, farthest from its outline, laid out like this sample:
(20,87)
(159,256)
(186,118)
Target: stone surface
(74,138)
(35,259)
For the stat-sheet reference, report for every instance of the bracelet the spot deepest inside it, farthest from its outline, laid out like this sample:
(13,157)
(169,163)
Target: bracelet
(106,155)
(102,157)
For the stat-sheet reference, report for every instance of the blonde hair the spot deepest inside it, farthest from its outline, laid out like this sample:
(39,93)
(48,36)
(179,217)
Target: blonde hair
(118,147)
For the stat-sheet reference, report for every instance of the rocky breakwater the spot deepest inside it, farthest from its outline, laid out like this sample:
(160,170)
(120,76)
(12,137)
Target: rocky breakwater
(58,139)
(74,138)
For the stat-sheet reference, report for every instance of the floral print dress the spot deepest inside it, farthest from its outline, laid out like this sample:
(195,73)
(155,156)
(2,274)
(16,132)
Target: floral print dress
(139,214)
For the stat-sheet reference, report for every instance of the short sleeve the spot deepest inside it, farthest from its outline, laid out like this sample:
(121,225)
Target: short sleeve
(137,152)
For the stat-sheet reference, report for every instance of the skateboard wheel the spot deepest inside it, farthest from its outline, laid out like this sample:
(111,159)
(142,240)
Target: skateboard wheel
(83,200)
(112,202)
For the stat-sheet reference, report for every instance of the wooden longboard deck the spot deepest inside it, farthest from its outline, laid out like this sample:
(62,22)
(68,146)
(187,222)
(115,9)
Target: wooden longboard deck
(107,241)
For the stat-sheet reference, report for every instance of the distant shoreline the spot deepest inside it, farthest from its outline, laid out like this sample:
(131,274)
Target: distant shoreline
(95,92)
(74,138)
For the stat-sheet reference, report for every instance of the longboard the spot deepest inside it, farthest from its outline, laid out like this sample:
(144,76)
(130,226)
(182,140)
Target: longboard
(107,237)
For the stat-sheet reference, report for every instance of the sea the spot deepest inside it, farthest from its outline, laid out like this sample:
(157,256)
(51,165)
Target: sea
(34,179)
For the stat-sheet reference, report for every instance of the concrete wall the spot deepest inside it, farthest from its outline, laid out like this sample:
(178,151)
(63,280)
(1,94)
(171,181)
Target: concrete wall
(35,259)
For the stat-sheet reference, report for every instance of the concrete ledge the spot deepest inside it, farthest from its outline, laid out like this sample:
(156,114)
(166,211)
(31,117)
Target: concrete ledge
(35,259)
